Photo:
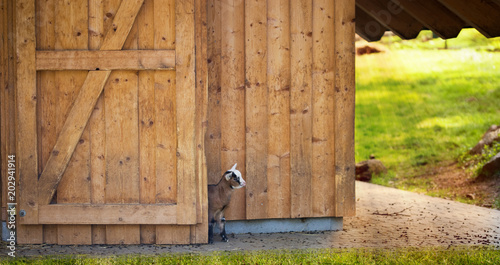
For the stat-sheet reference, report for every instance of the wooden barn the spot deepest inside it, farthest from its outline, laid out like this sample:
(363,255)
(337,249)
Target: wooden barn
(117,114)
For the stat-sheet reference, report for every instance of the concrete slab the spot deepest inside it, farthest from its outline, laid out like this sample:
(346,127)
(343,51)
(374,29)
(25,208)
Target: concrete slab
(284,225)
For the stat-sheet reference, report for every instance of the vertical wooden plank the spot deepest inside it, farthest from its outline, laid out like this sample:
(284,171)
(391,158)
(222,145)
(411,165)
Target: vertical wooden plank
(47,98)
(256,101)
(344,108)
(3,107)
(96,24)
(174,234)
(213,138)
(97,125)
(147,120)
(26,128)
(165,104)
(166,136)
(123,234)
(233,98)
(301,108)
(323,179)
(164,21)
(165,109)
(122,186)
(185,111)
(278,81)
(110,9)
(9,79)
(71,27)
(147,158)
(199,231)
(122,149)
(74,234)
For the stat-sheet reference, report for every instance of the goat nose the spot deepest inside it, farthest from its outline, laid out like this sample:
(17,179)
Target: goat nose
(243,183)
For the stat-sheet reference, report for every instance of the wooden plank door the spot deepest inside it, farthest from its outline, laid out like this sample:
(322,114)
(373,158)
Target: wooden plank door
(111,122)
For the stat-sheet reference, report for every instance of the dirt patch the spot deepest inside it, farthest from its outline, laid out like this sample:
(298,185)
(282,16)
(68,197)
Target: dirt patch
(452,181)
(367,49)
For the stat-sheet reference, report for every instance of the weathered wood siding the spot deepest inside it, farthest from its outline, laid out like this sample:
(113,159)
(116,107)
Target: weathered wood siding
(120,113)
(281,105)
(111,107)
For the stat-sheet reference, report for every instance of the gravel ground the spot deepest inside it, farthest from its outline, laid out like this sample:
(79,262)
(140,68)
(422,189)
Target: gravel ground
(386,218)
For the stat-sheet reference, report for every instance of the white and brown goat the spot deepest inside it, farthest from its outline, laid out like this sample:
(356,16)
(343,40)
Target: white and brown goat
(219,196)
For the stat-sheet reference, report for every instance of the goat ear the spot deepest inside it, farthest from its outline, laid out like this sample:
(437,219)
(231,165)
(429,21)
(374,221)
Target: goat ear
(234,167)
(228,175)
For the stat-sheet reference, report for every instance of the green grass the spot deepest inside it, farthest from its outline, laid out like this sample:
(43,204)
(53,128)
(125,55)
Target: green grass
(462,255)
(419,106)
(467,39)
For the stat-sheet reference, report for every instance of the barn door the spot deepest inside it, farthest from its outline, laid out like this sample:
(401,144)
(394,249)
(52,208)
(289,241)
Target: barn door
(109,149)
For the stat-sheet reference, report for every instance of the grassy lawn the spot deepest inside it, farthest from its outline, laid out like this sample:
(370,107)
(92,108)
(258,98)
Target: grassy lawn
(324,256)
(417,105)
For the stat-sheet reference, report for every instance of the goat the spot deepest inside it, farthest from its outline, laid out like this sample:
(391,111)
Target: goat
(219,196)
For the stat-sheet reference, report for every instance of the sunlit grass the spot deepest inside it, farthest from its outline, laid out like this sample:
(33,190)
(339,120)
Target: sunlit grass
(468,38)
(416,106)
(437,255)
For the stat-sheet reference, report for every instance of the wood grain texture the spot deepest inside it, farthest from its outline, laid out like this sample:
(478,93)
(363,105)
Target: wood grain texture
(165,106)
(70,134)
(74,234)
(110,9)
(185,111)
(70,137)
(323,75)
(256,109)
(123,234)
(108,214)
(122,149)
(233,98)
(213,136)
(74,186)
(173,234)
(278,81)
(3,108)
(48,97)
(166,137)
(147,127)
(106,60)
(199,233)
(344,108)
(26,128)
(301,43)
(122,183)
(123,21)
(147,145)
(97,124)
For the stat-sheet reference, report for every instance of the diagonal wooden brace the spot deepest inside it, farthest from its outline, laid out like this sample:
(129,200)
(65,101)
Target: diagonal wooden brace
(84,104)
(70,135)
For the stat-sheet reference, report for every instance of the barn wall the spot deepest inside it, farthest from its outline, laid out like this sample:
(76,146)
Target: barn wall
(281,105)
(143,142)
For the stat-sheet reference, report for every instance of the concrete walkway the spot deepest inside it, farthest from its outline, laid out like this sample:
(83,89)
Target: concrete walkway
(386,218)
